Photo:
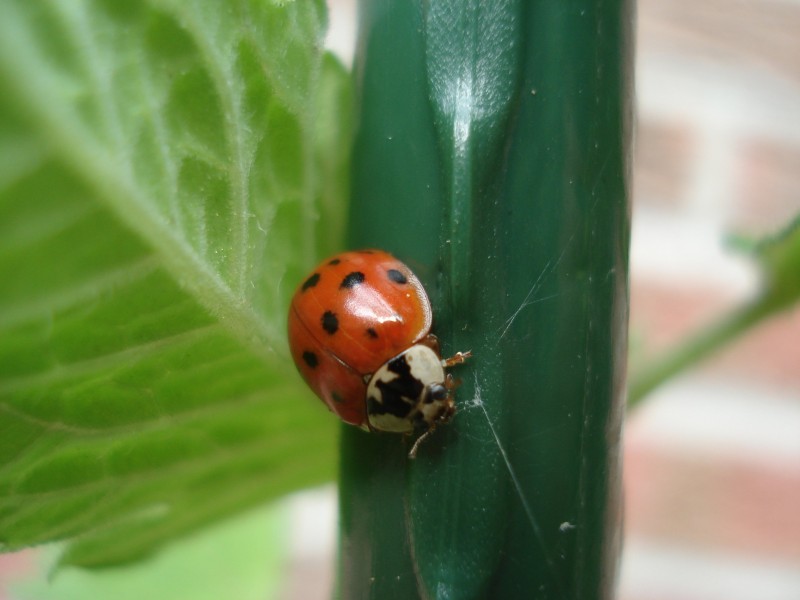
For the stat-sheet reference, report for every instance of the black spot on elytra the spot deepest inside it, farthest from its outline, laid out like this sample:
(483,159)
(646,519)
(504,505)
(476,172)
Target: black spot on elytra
(311,282)
(329,322)
(372,333)
(351,280)
(335,261)
(311,359)
(337,397)
(398,394)
(396,276)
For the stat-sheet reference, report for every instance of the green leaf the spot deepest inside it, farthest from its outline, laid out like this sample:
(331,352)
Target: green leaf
(240,558)
(778,257)
(161,192)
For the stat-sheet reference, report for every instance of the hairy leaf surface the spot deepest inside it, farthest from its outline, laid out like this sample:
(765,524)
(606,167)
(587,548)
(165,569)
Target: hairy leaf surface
(160,194)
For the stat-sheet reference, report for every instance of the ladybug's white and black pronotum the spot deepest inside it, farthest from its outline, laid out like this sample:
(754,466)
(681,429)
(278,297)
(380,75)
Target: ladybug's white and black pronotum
(359,333)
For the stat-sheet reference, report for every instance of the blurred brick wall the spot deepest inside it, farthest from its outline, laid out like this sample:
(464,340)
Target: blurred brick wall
(712,461)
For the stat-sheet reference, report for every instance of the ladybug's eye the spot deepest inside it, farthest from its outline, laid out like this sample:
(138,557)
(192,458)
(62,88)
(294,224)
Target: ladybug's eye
(437,392)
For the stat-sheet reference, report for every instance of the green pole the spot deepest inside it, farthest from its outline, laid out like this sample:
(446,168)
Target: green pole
(491,155)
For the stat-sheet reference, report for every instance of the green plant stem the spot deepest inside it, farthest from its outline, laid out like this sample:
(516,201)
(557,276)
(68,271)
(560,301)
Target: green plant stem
(698,347)
(491,155)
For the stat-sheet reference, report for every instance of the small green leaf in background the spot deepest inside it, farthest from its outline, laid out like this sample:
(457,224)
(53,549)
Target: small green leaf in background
(239,559)
(778,258)
(168,171)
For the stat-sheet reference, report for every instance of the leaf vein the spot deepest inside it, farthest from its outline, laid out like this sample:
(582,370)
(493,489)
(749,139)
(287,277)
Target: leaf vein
(263,449)
(45,305)
(106,362)
(221,71)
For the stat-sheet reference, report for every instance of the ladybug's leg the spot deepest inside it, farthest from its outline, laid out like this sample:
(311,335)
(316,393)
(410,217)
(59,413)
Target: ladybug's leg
(443,393)
(457,359)
(432,342)
(412,454)
(451,383)
(451,410)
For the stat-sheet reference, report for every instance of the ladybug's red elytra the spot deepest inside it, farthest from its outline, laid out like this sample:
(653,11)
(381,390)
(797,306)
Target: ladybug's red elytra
(359,333)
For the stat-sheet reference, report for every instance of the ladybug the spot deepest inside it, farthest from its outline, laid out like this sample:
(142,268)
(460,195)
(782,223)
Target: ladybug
(359,333)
